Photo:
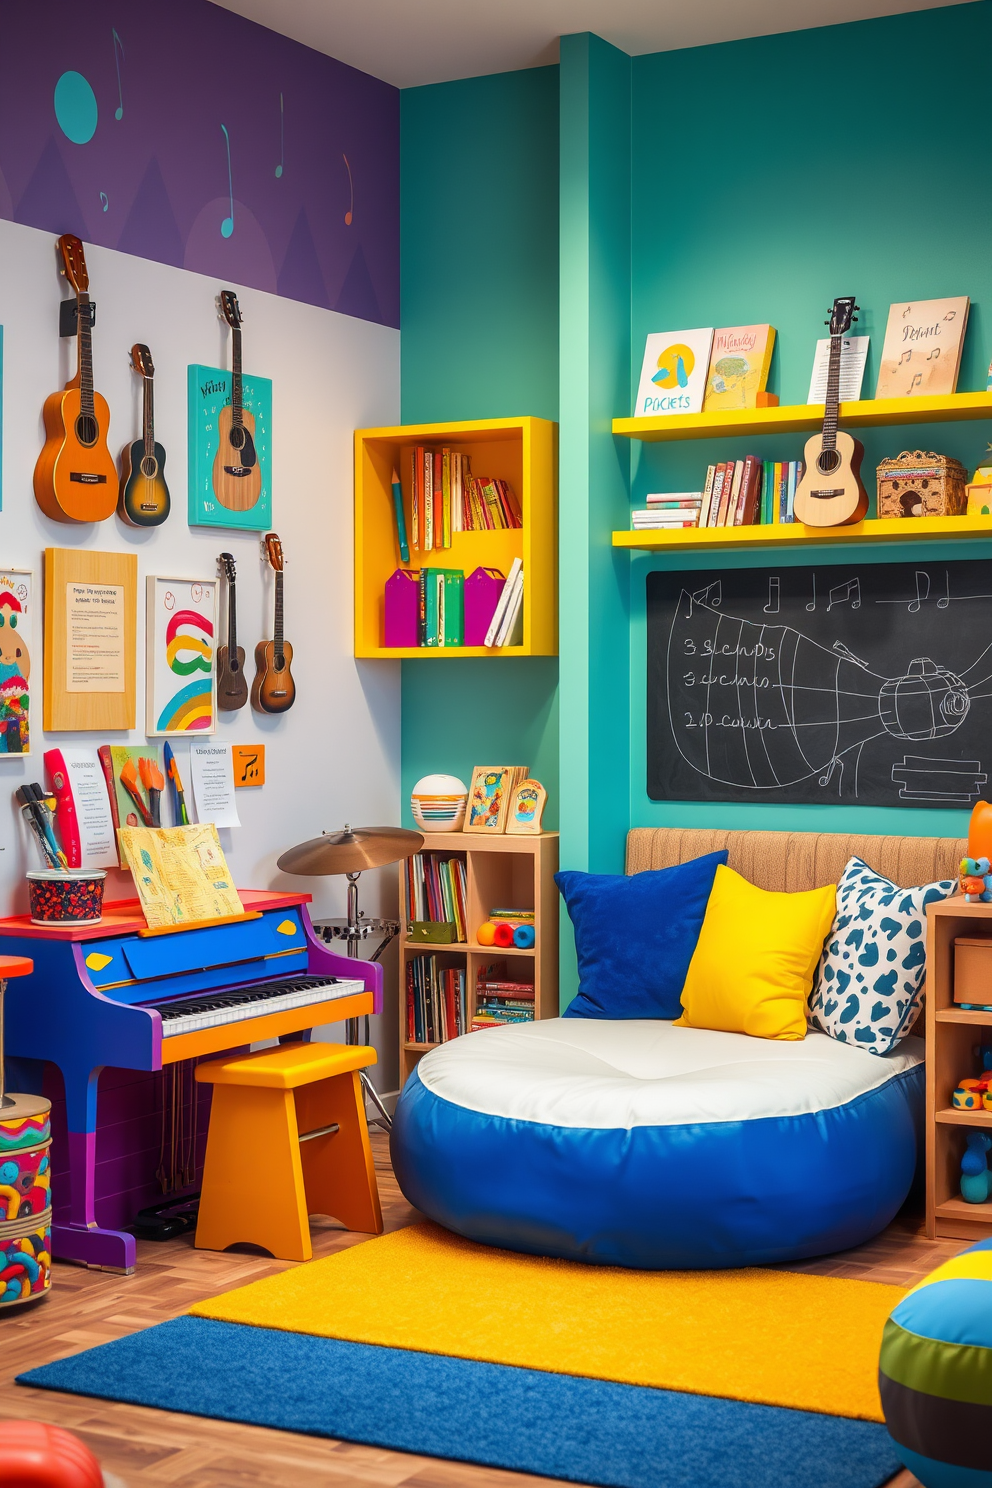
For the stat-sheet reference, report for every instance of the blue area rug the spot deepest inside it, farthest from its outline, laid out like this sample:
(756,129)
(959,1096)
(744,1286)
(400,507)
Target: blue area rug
(553,1425)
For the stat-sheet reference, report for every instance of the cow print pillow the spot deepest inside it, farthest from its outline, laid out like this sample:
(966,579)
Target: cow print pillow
(868,986)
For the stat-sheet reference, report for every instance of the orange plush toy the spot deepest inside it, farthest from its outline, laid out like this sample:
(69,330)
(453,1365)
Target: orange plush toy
(980,831)
(34,1455)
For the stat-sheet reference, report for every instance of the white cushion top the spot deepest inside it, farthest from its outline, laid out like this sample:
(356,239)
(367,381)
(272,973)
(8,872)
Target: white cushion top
(581,1072)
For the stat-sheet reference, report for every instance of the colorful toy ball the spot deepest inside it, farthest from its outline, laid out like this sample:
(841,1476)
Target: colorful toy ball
(503,935)
(34,1455)
(968,1096)
(934,1373)
(486,934)
(523,937)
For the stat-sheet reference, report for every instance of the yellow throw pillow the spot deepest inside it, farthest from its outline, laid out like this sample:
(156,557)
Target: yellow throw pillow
(753,965)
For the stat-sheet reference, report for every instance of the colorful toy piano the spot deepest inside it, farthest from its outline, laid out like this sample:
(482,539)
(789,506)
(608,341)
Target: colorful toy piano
(116,994)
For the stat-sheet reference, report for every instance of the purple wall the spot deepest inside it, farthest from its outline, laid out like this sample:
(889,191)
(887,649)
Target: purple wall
(154,182)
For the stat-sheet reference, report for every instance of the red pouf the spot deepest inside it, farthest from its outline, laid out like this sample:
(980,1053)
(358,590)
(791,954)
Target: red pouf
(33,1455)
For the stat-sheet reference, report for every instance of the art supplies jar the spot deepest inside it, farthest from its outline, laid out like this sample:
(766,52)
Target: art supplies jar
(66,896)
(25,1199)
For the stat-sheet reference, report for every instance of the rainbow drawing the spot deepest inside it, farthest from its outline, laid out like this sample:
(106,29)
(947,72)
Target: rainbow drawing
(189,649)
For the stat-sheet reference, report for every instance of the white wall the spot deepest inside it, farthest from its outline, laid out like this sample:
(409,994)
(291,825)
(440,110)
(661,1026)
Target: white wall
(335,756)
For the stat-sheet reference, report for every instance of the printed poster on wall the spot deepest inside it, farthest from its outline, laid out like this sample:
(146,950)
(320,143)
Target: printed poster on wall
(180,663)
(230,459)
(16,614)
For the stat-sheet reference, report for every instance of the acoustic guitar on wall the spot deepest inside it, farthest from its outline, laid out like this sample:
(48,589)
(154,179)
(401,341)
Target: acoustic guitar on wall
(232,684)
(273,690)
(831,493)
(75,479)
(237,475)
(144,496)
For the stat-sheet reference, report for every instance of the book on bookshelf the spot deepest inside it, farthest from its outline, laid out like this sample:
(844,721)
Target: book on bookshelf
(738,368)
(436,890)
(506,601)
(445,497)
(435,1001)
(499,999)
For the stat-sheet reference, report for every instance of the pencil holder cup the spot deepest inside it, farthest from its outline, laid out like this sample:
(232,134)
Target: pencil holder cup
(66,896)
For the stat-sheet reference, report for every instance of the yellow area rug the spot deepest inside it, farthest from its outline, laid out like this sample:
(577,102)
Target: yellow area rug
(770,1337)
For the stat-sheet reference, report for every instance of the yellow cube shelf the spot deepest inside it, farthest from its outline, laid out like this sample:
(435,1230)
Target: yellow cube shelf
(799,417)
(794,534)
(521,451)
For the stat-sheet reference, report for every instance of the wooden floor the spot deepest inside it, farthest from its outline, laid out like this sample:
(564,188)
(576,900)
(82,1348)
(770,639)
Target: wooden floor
(150,1447)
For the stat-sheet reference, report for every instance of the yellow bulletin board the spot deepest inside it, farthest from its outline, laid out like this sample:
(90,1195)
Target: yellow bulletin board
(91,613)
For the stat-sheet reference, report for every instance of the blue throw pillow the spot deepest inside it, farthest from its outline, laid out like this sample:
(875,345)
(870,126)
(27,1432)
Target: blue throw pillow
(634,937)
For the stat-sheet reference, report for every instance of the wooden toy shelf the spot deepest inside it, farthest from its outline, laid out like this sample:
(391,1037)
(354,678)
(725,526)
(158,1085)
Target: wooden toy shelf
(952,1033)
(502,873)
(522,451)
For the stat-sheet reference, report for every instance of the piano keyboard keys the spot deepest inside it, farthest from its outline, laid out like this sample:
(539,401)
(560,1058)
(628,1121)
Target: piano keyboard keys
(188,1014)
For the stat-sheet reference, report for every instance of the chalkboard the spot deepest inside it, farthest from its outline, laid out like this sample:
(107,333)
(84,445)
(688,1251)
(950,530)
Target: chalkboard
(867,684)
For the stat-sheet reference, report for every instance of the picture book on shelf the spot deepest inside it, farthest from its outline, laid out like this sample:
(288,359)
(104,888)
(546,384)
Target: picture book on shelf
(738,369)
(921,353)
(673,373)
(489,796)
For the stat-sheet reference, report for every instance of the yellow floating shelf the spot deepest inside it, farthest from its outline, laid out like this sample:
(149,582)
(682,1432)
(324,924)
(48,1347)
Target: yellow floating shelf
(801,417)
(794,534)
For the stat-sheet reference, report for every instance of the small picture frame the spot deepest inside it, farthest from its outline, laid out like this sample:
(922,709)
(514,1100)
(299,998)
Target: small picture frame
(16,646)
(488,799)
(180,662)
(527,803)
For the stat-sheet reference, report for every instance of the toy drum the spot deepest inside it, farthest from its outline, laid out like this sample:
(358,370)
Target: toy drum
(25,1259)
(24,1123)
(69,896)
(25,1178)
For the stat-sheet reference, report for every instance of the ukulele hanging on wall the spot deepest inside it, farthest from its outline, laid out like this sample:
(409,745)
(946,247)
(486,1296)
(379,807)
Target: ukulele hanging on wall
(273,690)
(830,493)
(237,475)
(75,479)
(144,496)
(232,684)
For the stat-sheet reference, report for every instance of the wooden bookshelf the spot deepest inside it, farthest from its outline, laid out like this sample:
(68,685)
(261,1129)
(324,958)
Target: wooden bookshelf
(799,418)
(501,873)
(522,451)
(794,534)
(952,1033)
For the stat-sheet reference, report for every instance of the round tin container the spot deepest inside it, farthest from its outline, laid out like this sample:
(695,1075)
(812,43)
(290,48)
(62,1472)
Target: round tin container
(66,896)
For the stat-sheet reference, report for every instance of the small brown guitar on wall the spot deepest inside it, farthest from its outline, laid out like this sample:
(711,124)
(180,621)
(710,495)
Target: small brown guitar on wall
(831,493)
(144,499)
(75,479)
(273,690)
(232,684)
(237,475)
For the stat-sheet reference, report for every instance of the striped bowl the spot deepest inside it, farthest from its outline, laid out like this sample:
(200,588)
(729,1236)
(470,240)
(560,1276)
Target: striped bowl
(438,803)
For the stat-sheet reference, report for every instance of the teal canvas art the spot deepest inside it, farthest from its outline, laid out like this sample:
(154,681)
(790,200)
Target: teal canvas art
(230,452)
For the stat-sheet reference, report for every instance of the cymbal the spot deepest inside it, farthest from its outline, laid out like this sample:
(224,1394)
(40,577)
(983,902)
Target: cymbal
(351,851)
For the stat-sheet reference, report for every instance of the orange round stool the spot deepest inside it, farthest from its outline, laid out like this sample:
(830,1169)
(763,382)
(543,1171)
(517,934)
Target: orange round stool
(33,1455)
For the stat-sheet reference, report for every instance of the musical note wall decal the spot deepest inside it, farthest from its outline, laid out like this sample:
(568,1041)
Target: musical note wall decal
(104,200)
(282,140)
(349,216)
(119,112)
(227,226)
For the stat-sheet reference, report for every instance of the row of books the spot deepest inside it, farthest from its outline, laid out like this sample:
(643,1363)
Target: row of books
(499,999)
(445,497)
(737,493)
(441,614)
(435,1001)
(436,889)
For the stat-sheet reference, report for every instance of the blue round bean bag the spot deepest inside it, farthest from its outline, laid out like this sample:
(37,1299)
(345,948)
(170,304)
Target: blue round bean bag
(640,1144)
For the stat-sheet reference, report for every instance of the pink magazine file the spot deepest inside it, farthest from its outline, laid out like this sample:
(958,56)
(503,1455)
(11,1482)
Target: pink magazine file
(483,588)
(402,608)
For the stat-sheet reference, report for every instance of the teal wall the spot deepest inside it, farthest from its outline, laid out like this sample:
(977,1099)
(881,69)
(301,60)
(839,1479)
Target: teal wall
(767,217)
(479,310)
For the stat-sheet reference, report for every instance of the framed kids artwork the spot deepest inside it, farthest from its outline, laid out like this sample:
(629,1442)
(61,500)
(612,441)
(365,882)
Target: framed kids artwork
(527,802)
(489,798)
(230,449)
(180,661)
(16,616)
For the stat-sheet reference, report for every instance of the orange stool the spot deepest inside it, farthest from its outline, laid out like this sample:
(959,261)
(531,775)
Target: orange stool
(287,1138)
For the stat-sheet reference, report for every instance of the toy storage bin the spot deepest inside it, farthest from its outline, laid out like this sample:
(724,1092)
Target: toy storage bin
(25,1200)
(973,970)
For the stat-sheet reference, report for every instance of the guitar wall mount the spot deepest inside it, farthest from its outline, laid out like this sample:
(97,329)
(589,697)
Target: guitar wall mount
(69,316)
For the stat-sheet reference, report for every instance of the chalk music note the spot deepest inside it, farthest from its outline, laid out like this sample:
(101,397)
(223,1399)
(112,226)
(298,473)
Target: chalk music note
(916,380)
(851,590)
(119,113)
(227,226)
(905,357)
(812,604)
(934,353)
(105,200)
(349,216)
(772,607)
(282,139)
(945,598)
(922,591)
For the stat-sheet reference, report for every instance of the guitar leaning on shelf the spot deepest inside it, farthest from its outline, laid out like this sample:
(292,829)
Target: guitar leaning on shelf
(232,684)
(144,499)
(75,479)
(831,493)
(237,475)
(273,690)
